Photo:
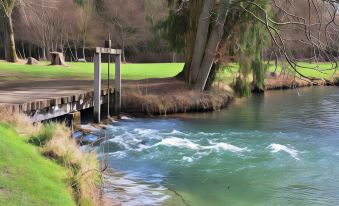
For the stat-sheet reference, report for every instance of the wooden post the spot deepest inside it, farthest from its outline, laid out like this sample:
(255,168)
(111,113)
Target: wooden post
(97,87)
(74,119)
(117,93)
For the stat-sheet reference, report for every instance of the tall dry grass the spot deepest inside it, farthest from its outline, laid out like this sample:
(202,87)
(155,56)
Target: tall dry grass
(55,142)
(179,102)
(20,122)
(83,167)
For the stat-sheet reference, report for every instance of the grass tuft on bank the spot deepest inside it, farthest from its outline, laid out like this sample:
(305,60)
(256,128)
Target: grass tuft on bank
(43,165)
(83,168)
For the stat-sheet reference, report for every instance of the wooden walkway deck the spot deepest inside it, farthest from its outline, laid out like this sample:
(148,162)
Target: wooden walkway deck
(61,96)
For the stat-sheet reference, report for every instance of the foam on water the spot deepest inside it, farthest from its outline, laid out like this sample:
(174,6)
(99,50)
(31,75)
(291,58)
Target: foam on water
(145,131)
(129,191)
(275,148)
(225,147)
(187,159)
(179,142)
(208,133)
(176,132)
(118,154)
(189,144)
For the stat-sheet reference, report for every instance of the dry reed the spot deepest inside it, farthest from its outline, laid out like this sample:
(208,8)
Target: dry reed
(180,102)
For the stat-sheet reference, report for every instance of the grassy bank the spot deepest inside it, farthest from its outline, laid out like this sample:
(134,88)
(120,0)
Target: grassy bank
(26,177)
(43,165)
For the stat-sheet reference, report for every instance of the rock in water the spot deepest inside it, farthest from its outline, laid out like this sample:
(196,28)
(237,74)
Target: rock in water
(32,61)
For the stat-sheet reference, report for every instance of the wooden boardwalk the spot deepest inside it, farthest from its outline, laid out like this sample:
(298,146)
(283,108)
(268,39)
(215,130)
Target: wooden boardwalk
(27,91)
(34,95)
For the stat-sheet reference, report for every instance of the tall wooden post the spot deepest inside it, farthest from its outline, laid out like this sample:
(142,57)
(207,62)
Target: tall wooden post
(97,87)
(117,93)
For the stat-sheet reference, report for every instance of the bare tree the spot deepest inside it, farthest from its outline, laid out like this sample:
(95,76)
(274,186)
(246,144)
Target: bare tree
(6,10)
(84,23)
(128,29)
(310,24)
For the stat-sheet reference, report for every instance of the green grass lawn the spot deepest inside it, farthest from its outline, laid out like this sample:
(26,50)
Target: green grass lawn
(10,71)
(320,70)
(85,70)
(26,177)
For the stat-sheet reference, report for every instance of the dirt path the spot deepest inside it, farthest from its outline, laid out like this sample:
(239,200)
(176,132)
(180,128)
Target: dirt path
(20,91)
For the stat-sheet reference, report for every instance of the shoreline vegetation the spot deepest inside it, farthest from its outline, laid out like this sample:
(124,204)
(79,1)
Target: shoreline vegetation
(170,95)
(150,89)
(42,165)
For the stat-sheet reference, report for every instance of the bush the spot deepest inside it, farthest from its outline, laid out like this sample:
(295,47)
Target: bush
(242,87)
(43,135)
(336,81)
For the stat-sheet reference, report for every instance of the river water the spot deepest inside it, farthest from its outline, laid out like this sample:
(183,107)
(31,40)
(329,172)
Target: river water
(281,148)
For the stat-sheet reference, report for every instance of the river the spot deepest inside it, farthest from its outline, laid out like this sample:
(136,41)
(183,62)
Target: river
(281,148)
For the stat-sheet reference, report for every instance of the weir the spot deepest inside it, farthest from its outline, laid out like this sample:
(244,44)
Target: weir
(49,107)
(97,81)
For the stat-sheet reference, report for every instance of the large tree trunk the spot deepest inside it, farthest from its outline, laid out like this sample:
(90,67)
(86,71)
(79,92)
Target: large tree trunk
(23,49)
(212,76)
(212,46)
(76,52)
(83,51)
(39,56)
(201,39)
(195,8)
(4,38)
(44,53)
(11,55)
(123,56)
(30,50)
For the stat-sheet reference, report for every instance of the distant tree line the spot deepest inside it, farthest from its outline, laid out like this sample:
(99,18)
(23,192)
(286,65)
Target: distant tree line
(76,26)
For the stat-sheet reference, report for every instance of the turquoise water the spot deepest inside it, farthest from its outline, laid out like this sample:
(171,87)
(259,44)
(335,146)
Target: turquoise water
(281,148)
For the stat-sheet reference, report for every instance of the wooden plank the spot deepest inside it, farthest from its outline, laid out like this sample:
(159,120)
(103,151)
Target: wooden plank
(107,51)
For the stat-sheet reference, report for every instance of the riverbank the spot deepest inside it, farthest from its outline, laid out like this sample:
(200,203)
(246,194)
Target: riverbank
(43,165)
(170,95)
(148,89)
(279,81)
(160,96)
